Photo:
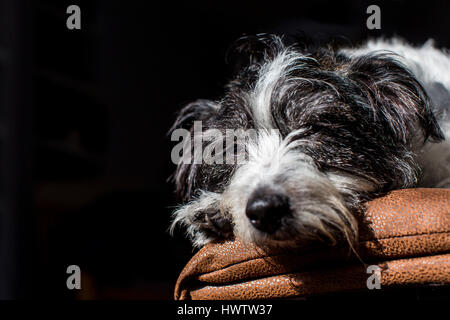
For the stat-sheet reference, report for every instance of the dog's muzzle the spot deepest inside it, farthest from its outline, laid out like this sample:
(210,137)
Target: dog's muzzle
(266,209)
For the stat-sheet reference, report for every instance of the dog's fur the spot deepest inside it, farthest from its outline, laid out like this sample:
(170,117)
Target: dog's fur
(351,124)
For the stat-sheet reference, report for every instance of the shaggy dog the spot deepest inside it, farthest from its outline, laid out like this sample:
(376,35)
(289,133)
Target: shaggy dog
(331,129)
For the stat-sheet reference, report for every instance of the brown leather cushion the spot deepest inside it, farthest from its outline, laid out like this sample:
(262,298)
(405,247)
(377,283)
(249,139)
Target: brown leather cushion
(407,234)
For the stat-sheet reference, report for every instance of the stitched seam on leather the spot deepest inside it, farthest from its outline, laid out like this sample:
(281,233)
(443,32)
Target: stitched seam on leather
(283,254)
(242,262)
(362,242)
(405,236)
(291,273)
(238,281)
(443,254)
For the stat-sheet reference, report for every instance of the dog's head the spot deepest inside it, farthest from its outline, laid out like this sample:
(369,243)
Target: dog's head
(300,139)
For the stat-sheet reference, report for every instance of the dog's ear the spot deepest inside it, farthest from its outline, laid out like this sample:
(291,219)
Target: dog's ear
(398,100)
(186,172)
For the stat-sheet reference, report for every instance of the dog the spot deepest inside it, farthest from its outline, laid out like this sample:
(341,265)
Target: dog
(335,128)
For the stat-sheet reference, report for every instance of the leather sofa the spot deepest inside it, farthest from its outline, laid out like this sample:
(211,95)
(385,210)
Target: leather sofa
(404,242)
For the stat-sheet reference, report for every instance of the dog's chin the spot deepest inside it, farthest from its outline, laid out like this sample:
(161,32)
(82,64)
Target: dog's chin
(289,237)
(277,240)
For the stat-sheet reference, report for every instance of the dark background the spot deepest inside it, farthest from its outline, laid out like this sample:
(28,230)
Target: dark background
(84,116)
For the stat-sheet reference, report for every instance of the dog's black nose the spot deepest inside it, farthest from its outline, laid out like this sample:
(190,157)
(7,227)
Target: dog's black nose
(265,210)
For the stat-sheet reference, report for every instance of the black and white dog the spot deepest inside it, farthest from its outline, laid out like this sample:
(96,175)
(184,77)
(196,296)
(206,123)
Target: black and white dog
(334,129)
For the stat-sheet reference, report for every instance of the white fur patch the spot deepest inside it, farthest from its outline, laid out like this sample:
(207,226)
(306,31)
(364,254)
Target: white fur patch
(434,161)
(269,75)
(276,163)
